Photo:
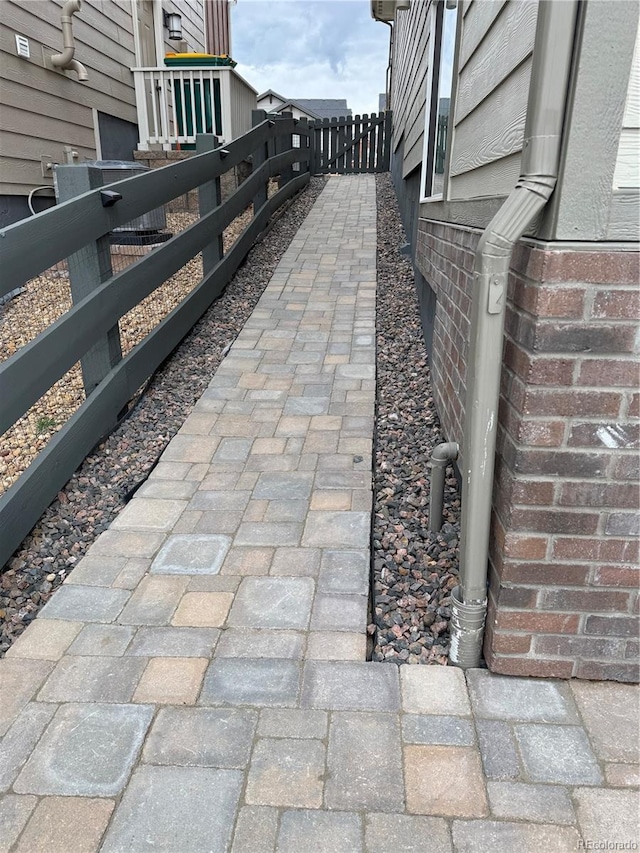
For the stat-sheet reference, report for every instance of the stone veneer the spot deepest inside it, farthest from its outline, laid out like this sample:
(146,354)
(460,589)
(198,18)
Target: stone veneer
(564,547)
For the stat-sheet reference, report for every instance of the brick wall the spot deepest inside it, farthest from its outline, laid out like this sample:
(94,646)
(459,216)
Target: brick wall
(564,548)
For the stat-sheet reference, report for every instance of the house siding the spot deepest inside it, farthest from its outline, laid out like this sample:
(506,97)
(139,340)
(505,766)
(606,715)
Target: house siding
(494,71)
(627,170)
(44,109)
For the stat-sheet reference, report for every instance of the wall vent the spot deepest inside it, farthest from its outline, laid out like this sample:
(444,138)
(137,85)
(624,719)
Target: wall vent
(22,47)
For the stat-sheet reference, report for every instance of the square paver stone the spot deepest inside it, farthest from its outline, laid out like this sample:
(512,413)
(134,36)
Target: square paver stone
(350,686)
(560,754)
(344,572)
(339,613)
(530,700)
(98,640)
(337,530)
(14,813)
(201,737)
(56,820)
(175,809)
(203,609)
(272,603)
(248,681)
(19,680)
(320,832)
(171,681)
(256,830)
(406,834)
(88,750)
(78,678)
(609,815)
(444,780)
(149,514)
(286,772)
(434,690)
(45,639)
(497,749)
(610,714)
(479,836)
(191,554)
(364,762)
(85,603)
(276,485)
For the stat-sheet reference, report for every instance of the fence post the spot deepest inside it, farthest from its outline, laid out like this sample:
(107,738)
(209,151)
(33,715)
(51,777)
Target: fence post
(209,197)
(388,129)
(89,267)
(304,144)
(285,143)
(259,156)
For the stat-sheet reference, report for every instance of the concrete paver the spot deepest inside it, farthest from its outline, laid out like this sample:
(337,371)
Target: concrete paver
(199,682)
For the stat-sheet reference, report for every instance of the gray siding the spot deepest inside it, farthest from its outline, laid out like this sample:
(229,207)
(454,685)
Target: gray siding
(409,82)
(494,70)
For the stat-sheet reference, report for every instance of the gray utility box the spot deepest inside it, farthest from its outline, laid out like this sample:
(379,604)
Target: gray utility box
(118,170)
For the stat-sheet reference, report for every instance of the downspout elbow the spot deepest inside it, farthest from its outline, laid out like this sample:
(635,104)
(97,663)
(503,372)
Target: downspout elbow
(441,456)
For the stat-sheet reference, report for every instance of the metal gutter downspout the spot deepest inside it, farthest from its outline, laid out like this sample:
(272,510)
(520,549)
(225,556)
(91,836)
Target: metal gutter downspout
(442,455)
(65,60)
(552,57)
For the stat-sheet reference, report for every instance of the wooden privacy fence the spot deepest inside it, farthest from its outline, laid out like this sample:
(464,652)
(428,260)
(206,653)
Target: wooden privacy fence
(351,144)
(77,230)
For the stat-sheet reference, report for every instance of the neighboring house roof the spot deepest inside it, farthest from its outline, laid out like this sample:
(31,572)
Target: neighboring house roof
(325,107)
(271,92)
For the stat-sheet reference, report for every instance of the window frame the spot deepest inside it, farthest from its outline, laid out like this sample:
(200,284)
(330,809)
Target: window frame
(437,13)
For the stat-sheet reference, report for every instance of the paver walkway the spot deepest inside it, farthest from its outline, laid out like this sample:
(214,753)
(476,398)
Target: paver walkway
(199,683)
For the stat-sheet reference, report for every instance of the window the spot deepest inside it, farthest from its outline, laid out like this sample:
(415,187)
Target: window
(439,89)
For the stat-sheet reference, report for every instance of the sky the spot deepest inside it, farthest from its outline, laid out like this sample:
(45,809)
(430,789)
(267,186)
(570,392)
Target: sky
(312,49)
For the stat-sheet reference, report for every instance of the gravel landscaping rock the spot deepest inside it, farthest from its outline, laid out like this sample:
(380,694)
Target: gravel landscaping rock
(414,569)
(109,476)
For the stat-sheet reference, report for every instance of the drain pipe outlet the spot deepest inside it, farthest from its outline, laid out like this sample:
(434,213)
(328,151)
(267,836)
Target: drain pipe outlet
(442,455)
(65,61)
(552,58)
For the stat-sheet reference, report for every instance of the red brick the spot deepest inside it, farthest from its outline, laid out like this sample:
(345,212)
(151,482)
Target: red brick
(601,671)
(554,521)
(510,644)
(605,434)
(573,548)
(537,433)
(577,338)
(545,574)
(542,401)
(551,371)
(536,622)
(520,547)
(617,304)
(562,302)
(620,550)
(609,372)
(560,463)
(528,666)
(592,267)
(632,650)
(625,576)
(579,647)
(588,600)
(599,494)
(625,466)
(612,626)
(517,359)
(634,406)
(513,596)
(533,492)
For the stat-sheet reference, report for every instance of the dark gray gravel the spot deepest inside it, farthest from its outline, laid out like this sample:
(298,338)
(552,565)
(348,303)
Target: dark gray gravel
(108,477)
(414,570)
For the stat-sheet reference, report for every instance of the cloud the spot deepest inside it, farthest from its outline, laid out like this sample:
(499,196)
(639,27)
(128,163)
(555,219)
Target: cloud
(312,49)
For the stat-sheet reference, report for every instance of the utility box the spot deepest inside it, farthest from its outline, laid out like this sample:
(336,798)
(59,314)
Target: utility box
(118,170)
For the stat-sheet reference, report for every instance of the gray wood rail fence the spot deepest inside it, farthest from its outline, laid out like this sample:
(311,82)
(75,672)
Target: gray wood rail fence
(76,229)
(352,144)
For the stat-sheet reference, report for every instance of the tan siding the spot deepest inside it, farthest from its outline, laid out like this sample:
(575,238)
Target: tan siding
(44,109)
(492,94)
(411,57)
(627,171)
(192,13)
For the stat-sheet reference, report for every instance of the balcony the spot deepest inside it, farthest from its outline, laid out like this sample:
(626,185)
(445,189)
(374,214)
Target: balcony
(175,104)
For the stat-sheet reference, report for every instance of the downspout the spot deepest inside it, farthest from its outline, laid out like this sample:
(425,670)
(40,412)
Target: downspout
(552,58)
(387,97)
(65,61)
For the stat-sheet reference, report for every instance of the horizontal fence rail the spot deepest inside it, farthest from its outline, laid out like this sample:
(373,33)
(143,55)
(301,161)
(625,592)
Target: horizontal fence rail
(36,366)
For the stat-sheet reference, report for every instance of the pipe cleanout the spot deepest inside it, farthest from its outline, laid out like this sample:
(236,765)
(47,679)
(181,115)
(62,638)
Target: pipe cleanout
(443,454)
(552,57)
